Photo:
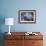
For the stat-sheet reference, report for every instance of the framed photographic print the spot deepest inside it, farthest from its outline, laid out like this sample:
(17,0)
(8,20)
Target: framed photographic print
(27,16)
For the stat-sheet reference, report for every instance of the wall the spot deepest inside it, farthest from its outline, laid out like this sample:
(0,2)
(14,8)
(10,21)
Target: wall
(9,8)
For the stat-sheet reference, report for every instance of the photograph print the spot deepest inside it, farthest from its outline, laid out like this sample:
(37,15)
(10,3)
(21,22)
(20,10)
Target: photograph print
(27,16)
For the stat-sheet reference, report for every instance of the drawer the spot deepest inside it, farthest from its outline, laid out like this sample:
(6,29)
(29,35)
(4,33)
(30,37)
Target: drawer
(13,43)
(16,37)
(33,43)
(33,37)
(9,43)
(37,43)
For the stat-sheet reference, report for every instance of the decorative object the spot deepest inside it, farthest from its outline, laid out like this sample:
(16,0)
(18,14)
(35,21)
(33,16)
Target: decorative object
(27,16)
(9,21)
(30,33)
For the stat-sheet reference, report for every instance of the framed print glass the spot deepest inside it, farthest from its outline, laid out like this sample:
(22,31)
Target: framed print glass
(27,16)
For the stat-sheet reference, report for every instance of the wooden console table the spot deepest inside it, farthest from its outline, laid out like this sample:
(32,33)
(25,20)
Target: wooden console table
(20,39)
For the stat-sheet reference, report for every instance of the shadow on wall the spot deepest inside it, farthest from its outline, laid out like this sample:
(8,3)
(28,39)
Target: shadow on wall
(2,21)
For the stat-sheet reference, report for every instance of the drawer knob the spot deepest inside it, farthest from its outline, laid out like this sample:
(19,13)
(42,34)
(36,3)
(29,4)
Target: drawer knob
(33,42)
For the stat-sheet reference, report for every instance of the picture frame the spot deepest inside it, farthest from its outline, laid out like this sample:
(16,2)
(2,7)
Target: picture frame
(27,16)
